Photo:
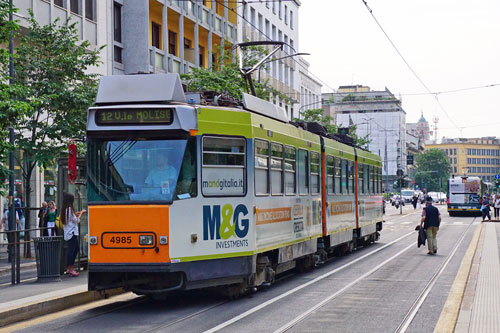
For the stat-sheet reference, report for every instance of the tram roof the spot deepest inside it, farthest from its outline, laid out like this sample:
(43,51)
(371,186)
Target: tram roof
(146,88)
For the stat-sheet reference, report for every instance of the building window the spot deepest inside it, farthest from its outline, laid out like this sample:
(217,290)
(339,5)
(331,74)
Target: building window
(202,56)
(90,10)
(117,54)
(286,14)
(60,3)
(117,32)
(172,42)
(155,35)
(291,19)
(117,22)
(75,7)
(279,9)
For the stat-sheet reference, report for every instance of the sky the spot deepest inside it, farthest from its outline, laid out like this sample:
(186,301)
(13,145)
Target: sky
(449,44)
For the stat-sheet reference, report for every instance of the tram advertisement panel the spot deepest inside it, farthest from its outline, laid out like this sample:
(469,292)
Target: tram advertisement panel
(222,181)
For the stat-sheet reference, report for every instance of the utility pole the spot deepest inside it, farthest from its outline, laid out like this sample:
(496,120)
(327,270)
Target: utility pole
(13,248)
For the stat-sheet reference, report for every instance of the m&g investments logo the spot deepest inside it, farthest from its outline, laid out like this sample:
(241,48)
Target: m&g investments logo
(226,223)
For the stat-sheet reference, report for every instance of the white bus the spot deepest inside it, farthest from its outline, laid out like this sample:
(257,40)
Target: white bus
(464,195)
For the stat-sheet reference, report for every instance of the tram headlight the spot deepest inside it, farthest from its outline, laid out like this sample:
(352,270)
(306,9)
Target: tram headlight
(145,240)
(163,240)
(93,240)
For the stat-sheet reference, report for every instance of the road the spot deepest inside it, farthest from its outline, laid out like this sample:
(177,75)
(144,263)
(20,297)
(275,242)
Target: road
(388,286)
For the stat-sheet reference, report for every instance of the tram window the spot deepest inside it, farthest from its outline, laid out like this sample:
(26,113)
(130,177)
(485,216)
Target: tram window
(330,171)
(276,168)
(379,180)
(261,167)
(290,170)
(374,180)
(338,175)
(351,176)
(361,182)
(345,188)
(367,179)
(223,151)
(315,172)
(223,166)
(303,167)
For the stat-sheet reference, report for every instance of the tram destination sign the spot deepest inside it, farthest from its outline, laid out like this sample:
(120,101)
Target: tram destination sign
(134,117)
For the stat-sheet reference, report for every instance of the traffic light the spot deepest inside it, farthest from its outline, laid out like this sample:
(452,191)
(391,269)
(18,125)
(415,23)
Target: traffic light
(409,159)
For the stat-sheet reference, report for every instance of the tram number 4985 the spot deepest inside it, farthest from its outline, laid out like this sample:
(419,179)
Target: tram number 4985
(121,240)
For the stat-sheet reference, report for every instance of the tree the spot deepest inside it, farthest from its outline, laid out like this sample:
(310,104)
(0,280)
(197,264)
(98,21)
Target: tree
(228,79)
(52,83)
(9,109)
(432,170)
(318,116)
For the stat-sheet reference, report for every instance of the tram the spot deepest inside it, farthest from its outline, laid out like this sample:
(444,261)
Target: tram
(184,193)
(465,195)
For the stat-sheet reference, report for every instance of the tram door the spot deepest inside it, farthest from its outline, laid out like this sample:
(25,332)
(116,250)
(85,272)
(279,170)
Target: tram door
(79,190)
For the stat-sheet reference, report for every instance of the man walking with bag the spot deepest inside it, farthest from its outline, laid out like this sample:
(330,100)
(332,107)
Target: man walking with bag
(431,218)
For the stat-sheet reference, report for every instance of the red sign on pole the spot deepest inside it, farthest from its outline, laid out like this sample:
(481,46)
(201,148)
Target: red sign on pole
(71,162)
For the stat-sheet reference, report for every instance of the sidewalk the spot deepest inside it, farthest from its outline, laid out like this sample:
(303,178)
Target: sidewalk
(31,299)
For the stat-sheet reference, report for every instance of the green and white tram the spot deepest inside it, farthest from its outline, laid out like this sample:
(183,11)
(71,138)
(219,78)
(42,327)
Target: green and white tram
(246,195)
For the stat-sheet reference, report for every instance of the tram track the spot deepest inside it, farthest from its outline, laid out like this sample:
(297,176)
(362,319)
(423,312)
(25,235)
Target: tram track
(309,283)
(410,315)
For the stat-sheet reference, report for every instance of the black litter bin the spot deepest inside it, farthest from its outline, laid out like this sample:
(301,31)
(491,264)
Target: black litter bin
(48,258)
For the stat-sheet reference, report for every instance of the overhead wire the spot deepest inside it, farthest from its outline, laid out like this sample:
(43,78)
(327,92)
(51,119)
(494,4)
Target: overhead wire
(408,65)
(269,38)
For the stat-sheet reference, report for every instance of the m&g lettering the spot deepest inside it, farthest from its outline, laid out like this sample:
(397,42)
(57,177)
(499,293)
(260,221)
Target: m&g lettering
(226,222)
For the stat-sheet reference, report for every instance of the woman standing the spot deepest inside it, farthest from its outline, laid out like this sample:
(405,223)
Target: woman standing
(51,216)
(70,220)
(497,207)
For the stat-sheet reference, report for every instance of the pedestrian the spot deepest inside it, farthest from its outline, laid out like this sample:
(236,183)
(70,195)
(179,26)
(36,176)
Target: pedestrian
(431,219)
(419,202)
(414,201)
(485,209)
(50,218)
(41,219)
(70,220)
(10,235)
(497,207)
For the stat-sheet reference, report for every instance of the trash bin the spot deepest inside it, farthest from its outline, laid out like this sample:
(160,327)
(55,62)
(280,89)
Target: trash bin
(48,258)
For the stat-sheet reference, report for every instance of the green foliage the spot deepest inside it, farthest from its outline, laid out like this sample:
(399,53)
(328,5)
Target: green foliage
(317,115)
(8,109)
(431,166)
(227,78)
(47,103)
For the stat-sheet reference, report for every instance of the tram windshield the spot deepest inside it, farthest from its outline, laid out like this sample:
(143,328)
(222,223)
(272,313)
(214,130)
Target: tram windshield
(141,170)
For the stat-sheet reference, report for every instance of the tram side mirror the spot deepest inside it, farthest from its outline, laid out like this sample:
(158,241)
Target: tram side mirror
(72,162)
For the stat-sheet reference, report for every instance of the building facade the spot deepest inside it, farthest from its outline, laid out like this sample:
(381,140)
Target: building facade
(310,88)
(420,129)
(472,156)
(277,21)
(378,115)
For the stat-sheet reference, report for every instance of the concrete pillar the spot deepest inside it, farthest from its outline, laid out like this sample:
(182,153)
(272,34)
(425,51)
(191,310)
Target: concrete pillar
(181,41)
(164,30)
(135,30)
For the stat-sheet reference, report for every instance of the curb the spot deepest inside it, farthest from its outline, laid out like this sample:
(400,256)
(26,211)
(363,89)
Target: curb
(37,309)
(4,271)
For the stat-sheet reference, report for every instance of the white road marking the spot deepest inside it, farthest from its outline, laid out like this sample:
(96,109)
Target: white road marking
(294,290)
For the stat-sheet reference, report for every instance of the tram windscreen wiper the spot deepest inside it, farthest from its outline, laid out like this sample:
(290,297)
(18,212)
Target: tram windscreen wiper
(119,152)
